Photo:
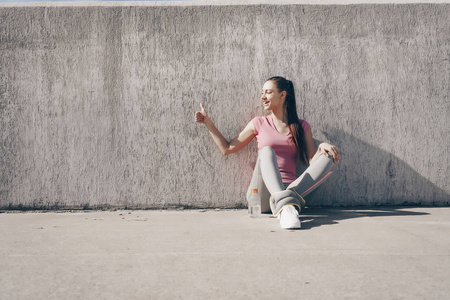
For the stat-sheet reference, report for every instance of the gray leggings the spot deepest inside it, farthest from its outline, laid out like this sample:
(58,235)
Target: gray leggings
(267,178)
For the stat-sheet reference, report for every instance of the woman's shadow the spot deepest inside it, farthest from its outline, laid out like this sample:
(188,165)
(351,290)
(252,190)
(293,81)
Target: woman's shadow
(368,177)
(316,217)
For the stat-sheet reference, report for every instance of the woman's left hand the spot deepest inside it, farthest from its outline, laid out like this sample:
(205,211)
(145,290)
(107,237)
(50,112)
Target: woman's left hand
(328,149)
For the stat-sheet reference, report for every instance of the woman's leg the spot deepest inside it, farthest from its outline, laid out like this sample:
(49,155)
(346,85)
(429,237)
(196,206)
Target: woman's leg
(270,171)
(267,179)
(313,176)
(267,175)
(257,182)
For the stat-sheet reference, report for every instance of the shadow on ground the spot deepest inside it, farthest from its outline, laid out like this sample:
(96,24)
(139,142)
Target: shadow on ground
(316,217)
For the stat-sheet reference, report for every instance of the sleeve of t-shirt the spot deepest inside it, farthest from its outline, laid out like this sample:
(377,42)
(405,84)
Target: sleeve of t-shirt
(256,121)
(305,125)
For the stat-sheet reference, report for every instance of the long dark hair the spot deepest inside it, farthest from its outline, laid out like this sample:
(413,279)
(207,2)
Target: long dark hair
(298,136)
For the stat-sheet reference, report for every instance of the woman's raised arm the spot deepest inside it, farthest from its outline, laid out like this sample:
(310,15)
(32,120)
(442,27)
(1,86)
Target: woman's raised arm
(226,147)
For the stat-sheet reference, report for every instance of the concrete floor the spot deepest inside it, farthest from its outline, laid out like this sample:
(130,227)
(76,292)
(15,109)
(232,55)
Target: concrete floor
(380,253)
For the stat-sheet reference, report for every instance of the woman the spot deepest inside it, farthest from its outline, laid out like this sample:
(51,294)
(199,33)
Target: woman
(282,138)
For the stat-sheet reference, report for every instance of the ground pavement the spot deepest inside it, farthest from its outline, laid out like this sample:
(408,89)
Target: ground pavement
(368,253)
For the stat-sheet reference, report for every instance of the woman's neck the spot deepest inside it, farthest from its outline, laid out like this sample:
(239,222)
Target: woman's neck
(280,115)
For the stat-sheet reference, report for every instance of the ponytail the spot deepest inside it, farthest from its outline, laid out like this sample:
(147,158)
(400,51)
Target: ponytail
(295,128)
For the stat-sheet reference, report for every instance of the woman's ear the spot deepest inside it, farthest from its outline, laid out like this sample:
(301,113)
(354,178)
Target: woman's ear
(283,95)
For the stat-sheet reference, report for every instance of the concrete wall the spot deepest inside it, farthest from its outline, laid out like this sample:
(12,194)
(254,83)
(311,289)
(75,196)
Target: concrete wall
(97,103)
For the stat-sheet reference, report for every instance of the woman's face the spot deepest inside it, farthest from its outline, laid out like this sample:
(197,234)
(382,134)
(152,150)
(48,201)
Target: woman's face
(271,98)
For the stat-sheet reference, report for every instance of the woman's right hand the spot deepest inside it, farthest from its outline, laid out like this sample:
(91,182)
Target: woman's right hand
(201,116)
(226,147)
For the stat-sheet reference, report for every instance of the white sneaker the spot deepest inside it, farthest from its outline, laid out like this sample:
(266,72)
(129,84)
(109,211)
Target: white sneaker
(289,217)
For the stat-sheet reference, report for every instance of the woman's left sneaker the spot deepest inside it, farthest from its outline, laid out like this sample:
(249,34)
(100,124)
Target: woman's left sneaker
(289,217)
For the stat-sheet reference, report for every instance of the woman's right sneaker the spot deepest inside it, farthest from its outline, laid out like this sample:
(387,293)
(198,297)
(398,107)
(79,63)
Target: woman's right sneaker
(289,217)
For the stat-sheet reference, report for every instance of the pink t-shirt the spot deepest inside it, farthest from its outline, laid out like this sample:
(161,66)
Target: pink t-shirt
(268,135)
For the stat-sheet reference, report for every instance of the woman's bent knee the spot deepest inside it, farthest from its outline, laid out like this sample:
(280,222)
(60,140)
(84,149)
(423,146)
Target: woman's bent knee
(329,158)
(323,164)
(266,151)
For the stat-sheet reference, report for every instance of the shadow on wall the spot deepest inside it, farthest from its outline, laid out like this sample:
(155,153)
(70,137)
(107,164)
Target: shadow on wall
(367,175)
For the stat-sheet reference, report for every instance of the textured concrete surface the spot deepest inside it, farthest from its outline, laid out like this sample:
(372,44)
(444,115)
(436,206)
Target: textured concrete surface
(217,2)
(383,253)
(97,103)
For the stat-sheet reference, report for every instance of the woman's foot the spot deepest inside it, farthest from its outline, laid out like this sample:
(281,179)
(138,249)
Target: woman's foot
(289,218)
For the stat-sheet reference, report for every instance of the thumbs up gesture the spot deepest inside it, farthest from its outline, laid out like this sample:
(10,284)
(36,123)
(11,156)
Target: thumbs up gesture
(200,116)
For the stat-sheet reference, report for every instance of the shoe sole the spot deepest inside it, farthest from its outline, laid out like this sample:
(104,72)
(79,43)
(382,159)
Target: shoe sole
(293,226)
